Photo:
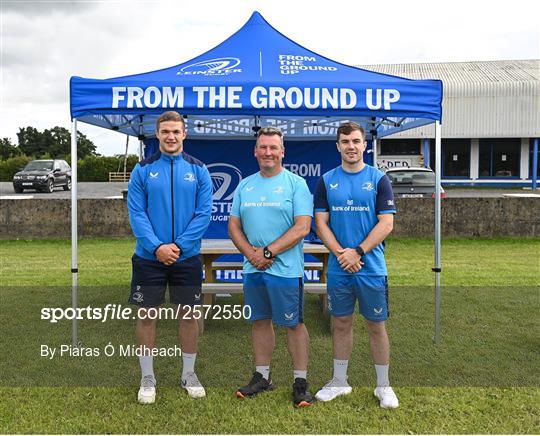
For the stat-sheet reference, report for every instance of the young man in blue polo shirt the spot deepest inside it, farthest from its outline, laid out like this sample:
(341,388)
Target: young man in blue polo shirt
(354,213)
(271,215)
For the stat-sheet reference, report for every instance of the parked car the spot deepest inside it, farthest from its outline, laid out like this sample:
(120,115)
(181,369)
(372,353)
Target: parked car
(413,182)
(43,175)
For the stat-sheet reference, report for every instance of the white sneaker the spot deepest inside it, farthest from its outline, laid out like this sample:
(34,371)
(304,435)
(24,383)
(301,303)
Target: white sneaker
(334,388)
(147,391)
(193,386)
(387,397)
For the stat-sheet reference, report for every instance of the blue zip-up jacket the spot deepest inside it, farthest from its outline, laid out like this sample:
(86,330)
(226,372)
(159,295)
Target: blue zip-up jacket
(169,200)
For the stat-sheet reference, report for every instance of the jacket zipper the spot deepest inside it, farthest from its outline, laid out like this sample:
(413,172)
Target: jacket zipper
(172,200)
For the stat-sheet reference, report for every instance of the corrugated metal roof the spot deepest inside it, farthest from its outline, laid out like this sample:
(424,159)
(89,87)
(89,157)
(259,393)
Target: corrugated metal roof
(480,99)
(466,72)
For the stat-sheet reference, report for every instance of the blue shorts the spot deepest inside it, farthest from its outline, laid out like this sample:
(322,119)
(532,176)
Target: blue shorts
(150,279)
(371,292)
(278,298)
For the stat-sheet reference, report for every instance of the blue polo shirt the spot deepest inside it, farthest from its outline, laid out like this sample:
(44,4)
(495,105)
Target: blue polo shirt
(353,201)
(267,207)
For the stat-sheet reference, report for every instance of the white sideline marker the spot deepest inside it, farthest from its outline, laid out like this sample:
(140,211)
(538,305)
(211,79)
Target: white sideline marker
(16,197)
(522,195)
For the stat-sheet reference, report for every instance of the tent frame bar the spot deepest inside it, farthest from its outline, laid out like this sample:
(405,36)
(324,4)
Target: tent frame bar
(437,268)
(74,234)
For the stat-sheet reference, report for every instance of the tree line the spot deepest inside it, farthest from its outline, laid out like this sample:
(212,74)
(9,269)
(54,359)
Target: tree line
(52,143)
(55,143)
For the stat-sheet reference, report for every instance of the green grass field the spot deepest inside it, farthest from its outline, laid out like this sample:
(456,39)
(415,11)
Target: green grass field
(482,378)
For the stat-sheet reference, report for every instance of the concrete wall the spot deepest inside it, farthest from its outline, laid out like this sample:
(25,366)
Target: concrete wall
(470,217)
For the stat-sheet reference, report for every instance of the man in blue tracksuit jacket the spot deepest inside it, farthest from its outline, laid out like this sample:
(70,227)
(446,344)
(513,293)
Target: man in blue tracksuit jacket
(169,203)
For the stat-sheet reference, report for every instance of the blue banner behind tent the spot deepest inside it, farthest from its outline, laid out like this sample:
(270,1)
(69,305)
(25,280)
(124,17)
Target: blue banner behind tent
(231,161)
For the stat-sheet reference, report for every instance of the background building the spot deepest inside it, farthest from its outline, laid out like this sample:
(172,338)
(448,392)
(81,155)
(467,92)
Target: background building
(491,117)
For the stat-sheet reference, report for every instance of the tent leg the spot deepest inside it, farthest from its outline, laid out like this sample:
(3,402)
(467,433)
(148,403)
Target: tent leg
(426,152)
(141,143)
(534,165)
(437,268)
(374,149)
(74,236)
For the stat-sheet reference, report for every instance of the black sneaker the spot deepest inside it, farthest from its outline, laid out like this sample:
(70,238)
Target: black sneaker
(301,395)
(256,385)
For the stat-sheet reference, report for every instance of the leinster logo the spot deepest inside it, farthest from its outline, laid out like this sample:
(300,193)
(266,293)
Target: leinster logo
(138,296)
(212,67)
(368,186)
(189,177)
(225,179)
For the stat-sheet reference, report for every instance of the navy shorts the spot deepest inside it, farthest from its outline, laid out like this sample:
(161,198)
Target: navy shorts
(370,291)
(272,297)
(150,278)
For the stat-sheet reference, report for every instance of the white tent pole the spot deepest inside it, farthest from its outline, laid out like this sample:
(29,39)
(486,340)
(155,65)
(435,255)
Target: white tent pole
(141,143)
(437,268)
(74,237)
(374,150)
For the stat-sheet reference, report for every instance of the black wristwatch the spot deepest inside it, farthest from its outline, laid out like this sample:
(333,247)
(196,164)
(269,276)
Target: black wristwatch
(360,251)
(267,253)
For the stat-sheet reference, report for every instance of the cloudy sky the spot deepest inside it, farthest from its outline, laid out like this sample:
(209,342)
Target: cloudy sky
(44,43)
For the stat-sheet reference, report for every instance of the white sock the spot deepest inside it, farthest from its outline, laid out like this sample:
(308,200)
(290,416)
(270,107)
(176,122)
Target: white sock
(340,369)
(188,365)
(382,375)
(147,366)
(264,370)
(298,373)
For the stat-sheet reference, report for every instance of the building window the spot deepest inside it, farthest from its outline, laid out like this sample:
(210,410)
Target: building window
(455,157)
(499,157)
(391,147)
(531,156)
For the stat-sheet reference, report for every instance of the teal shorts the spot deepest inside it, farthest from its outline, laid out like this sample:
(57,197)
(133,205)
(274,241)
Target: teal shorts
(278,298)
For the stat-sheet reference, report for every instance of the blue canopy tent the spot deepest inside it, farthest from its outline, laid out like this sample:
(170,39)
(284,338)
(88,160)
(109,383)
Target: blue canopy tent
(259,77)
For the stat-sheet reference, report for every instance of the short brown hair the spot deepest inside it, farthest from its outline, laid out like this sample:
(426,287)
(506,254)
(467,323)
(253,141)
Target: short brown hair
(348,128)
(270,131)
(170,116)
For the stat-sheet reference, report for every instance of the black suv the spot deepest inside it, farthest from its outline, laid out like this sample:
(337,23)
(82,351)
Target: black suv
(43,175)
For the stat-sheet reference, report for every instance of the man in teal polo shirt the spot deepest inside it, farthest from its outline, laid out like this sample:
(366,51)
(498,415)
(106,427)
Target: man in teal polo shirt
(271,215)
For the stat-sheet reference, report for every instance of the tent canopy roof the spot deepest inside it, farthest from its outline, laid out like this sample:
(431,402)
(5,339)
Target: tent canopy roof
(258,76)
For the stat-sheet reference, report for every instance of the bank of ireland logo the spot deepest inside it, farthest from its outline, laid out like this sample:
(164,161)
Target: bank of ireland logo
(225,179)
(350,202)
(212,67)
